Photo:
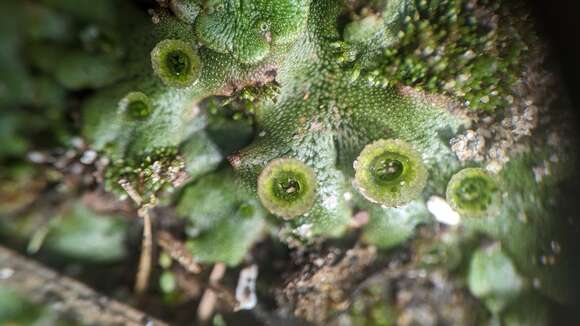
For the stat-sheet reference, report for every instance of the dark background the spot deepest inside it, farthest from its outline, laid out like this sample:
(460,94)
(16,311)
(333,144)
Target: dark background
(559,21)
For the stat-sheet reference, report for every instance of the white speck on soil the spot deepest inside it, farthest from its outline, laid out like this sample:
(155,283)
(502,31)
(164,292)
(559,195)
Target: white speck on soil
(442,211)
(246,288)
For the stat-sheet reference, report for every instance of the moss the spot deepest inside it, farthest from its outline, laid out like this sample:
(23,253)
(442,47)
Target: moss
(145,174)
(165,96)
(83,235)
(76,233)
(529,224)
(247,30)
(224,222)
(79,70)
(471,52)
(494,278)
(325,119)
(200,155)
(389,227)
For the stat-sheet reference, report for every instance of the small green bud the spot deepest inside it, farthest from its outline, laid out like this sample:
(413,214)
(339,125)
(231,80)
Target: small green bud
(287,187)
(167,282)
(473,192)
(176,63)
(135,106)
(389,172)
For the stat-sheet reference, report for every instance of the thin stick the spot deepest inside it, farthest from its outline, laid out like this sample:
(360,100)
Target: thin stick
(209,298)
(177,250)
(126,185)
(144,270)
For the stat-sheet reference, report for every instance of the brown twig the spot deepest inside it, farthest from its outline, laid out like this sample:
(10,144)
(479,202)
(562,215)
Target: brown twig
(126,185)
(69,297)
(209,298)
(144,270)
(177,250)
